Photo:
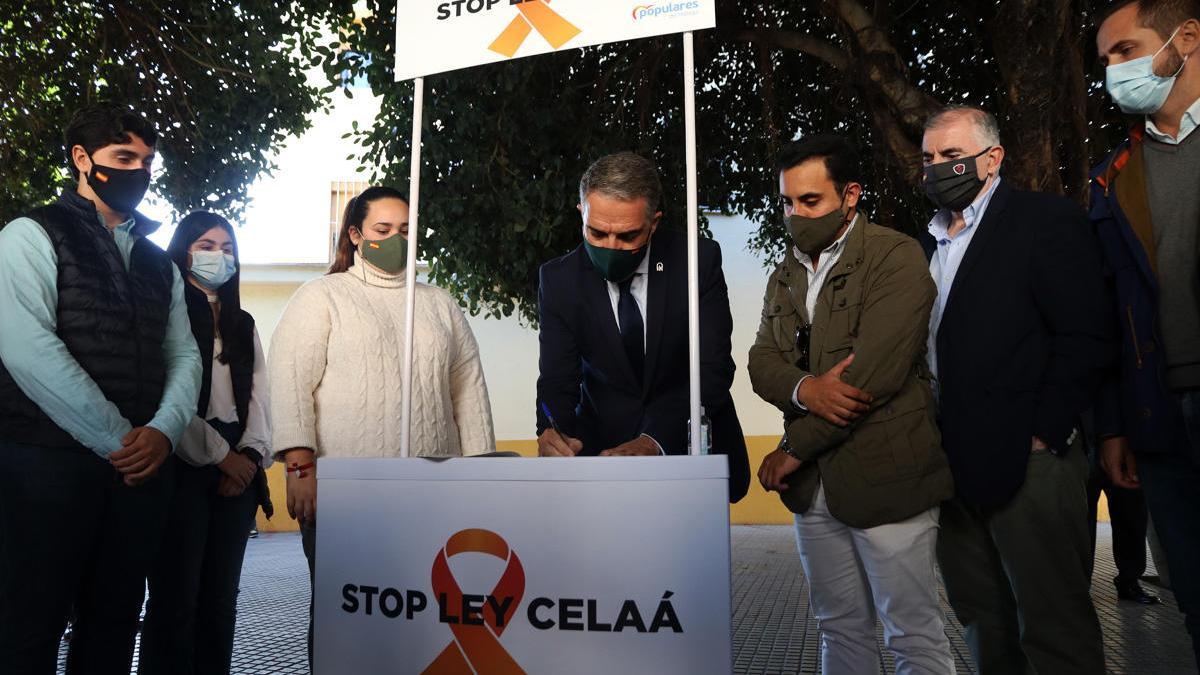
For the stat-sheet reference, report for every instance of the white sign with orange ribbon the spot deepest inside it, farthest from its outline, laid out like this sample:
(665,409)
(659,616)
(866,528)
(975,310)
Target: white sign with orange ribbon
(507,566)
(435,36)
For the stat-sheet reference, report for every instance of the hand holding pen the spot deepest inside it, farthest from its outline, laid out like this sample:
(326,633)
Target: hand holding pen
(553,442)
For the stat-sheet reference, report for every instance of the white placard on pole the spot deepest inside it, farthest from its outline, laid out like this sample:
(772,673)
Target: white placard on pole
(693,234)
(592,566)
(414,240)
(435,36)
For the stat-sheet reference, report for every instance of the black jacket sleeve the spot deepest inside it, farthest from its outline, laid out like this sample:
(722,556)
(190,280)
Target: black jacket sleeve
(1073,304)
(559,371)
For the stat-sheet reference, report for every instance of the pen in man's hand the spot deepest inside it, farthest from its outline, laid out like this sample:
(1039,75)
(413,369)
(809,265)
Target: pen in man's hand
(553,424)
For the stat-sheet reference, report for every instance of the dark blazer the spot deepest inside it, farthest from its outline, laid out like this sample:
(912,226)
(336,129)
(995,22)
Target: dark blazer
(1024,339)
(586,379)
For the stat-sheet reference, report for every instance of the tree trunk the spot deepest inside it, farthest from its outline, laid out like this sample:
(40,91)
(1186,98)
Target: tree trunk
(1043,104)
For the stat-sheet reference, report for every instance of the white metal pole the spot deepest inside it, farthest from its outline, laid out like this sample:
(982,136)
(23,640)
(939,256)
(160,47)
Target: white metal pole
(693,232)
(414,237)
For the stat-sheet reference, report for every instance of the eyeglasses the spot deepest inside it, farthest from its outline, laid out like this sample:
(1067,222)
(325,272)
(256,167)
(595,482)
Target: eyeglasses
(803,337)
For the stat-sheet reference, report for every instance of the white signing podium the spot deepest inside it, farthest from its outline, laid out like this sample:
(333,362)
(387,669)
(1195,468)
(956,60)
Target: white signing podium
(497,565)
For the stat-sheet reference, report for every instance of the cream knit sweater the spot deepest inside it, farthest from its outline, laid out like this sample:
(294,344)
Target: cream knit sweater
(336,367)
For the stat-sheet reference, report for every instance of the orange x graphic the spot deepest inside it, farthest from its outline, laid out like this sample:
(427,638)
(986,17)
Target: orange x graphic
(535,14)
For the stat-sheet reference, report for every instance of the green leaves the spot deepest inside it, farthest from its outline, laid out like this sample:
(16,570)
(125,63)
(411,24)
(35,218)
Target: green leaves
(224,82)
(504,145)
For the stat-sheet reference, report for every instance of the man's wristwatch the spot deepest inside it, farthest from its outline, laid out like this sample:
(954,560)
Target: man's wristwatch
(1060,452)
(787,450)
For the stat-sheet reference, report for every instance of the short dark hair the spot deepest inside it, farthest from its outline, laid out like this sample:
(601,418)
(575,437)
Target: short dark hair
(841,159)
(103,124)
(1161,16)
(626,176)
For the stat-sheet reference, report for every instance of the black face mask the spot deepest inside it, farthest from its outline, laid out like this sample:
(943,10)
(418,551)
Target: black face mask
(120,189)
(954,184)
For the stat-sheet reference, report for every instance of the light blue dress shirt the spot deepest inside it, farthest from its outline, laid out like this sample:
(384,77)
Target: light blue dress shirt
(1188,124)
(943,266)
(47,373)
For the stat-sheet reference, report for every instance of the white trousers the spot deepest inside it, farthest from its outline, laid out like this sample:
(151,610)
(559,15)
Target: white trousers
(854,574)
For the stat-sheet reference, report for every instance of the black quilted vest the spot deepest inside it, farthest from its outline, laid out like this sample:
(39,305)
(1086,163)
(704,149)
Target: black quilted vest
(241,369)
(112,321)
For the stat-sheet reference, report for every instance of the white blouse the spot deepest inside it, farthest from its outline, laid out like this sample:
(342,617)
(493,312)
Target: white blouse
(201,445)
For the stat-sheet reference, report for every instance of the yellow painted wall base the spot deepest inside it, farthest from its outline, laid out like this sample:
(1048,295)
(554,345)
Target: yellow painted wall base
(758,507)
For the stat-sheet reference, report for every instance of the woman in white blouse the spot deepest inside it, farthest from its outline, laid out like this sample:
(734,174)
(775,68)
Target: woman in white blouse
(217,481)
(337,362)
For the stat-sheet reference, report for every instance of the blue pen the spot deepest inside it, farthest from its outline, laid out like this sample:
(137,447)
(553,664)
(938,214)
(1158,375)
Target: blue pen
(546,412)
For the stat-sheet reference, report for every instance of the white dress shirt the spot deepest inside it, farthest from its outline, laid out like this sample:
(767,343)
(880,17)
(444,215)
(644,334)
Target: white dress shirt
(637,289)
(201,445)
(816,280)
(820,272)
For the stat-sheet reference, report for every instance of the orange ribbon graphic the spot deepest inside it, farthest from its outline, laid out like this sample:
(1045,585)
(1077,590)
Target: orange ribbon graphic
(476,649)
(535,15)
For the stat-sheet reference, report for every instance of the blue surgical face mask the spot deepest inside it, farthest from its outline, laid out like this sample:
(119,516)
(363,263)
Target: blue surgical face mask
(212,268)
(1135,88)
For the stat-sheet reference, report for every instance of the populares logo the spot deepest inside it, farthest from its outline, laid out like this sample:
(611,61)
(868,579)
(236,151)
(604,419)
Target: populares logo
(534,15)
(666,9)
(476,646)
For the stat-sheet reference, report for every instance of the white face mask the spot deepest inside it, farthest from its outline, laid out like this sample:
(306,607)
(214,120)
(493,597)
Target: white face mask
(1135,88)
(212,268)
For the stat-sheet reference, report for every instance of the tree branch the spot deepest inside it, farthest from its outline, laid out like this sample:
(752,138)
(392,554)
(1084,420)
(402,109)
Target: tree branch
(778,38)
(883,66)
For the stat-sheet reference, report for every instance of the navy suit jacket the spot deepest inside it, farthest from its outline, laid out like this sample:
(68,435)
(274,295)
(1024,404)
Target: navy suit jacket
(587,381)
(1024,339)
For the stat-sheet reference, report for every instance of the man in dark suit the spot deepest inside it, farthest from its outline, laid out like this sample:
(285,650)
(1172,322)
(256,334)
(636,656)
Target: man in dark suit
(614,331)
(1019,337)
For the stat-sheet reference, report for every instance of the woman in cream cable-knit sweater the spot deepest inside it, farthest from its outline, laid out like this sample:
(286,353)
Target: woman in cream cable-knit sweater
(337,362)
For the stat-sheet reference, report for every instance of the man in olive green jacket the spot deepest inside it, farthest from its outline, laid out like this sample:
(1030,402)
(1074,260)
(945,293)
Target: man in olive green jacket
(841,352)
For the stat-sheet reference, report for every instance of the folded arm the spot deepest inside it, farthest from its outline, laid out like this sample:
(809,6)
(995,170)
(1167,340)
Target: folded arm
(892,332)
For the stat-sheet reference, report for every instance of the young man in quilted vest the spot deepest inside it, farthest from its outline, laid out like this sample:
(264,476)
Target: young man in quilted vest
(99,375)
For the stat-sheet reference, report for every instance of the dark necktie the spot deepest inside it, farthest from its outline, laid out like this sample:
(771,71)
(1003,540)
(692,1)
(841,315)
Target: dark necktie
(632,330)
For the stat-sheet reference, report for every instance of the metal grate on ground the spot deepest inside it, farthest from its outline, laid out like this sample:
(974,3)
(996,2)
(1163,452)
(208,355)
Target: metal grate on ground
(773,631)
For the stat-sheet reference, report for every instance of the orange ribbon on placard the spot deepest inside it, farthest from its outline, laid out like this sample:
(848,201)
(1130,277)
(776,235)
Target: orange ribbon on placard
(535,15)
(476,649)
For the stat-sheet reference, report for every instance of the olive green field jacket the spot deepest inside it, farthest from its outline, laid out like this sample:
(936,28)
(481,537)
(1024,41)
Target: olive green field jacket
(888,465)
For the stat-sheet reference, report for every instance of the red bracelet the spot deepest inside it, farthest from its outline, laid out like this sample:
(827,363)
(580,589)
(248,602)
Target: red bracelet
(300,469)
